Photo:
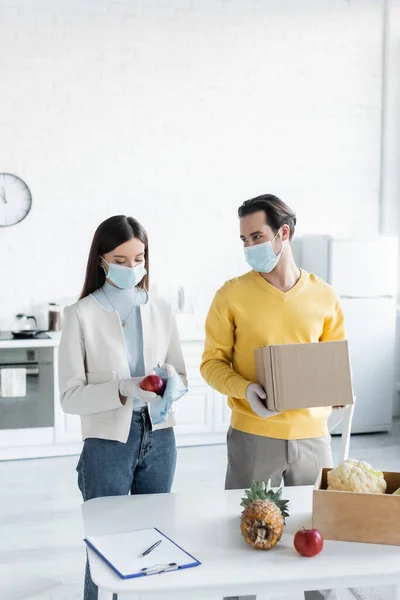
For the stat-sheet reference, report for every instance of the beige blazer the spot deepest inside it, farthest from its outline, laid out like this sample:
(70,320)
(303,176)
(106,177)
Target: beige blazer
(92,358)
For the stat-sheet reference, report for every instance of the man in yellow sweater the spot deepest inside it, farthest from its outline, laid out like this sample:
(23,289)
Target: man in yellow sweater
(275,303)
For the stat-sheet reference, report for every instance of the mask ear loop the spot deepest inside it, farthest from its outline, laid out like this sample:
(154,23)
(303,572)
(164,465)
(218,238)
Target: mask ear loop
(102,263)
(273,239)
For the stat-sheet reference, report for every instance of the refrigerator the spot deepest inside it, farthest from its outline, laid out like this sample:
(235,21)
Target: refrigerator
(364,275)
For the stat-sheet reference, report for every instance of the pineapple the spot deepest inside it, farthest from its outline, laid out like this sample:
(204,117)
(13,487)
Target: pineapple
(263,518)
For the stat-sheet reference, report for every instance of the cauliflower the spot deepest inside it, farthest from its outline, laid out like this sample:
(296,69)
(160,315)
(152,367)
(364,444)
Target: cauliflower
(356,476)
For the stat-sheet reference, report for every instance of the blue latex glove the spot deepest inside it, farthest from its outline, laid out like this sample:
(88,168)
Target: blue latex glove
(175,389)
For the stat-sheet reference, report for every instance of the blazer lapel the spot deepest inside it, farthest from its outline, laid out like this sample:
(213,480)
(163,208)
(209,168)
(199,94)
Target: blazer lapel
(148,342)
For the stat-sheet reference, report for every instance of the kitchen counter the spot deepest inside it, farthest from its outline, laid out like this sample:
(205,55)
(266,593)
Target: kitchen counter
(35,343)
(193,336)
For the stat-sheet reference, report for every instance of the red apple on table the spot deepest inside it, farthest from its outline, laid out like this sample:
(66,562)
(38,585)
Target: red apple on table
(308,542)
(153,383)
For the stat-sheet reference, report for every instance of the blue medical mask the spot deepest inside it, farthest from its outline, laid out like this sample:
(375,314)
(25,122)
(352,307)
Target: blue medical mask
(125,278)
(262,257)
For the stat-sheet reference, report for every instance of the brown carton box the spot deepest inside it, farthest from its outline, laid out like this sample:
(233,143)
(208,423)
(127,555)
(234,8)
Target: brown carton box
(357,517)
(305,375)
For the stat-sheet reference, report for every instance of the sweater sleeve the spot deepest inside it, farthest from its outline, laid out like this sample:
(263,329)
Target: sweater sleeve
(334,329)
(77,396)
(216,367)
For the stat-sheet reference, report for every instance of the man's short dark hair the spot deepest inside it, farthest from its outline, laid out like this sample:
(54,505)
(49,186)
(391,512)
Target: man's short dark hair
(277,213)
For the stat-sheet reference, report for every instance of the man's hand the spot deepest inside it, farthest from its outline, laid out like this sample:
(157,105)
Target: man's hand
(255,396)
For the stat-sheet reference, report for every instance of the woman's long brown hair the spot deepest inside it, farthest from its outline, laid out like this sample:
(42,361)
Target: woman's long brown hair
(109,235)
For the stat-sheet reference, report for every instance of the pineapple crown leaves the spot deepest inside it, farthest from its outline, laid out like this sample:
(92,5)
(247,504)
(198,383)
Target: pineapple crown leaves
(259,490)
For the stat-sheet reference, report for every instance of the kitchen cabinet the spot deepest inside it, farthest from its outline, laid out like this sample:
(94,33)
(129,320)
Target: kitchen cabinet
(222,413)
(67,428)
(194,412)
(202,415)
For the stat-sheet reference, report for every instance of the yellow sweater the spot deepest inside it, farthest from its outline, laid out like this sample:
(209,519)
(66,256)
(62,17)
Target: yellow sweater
(248,312)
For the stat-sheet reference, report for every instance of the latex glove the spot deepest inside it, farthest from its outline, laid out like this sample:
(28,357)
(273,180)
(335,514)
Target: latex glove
(256,395)
(175,388)
(131,387)
(170,370)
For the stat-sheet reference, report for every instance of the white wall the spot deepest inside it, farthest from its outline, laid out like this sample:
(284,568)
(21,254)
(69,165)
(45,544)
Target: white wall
(175,112)
(390,196)
(391,123)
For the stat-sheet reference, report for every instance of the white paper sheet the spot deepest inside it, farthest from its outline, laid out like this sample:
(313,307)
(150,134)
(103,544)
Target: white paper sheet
(123,550)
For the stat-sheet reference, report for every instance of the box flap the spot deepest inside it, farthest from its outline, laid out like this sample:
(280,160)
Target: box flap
(264,374)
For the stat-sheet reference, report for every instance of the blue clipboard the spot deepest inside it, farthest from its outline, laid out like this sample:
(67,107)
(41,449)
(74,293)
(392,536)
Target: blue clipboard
(114,551)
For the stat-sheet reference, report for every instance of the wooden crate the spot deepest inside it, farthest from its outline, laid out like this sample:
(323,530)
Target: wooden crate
(354,517)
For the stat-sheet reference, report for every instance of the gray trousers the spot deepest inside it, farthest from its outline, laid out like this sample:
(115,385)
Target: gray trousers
(258,458)
(296,462)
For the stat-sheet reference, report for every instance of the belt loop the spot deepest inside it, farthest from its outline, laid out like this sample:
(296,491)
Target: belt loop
(293,451)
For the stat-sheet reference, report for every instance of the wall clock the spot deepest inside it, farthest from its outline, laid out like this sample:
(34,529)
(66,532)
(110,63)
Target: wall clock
(15,200)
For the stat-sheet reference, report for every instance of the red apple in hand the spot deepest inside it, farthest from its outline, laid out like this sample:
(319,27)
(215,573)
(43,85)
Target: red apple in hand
(153,383)
(308,542)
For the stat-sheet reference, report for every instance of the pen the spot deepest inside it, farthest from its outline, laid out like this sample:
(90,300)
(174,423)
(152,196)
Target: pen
(146,552)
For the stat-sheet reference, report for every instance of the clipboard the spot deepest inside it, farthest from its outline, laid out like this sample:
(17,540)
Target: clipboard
(122,553)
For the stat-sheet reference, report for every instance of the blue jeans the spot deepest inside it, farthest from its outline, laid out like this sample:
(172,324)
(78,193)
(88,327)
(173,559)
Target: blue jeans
(144,465)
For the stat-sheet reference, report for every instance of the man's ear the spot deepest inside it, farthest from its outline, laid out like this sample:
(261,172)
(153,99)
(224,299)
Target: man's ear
(285,235)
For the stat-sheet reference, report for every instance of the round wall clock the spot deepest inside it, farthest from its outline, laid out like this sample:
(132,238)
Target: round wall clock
(15,200)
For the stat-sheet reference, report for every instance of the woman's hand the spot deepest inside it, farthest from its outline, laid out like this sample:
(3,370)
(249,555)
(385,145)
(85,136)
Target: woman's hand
(130,387)
(178,387)
(170,370)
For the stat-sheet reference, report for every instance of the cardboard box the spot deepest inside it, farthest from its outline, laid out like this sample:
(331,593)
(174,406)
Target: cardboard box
(354,517)
(305,375)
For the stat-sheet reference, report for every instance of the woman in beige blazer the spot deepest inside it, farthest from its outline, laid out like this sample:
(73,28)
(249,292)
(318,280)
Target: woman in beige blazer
(115,335)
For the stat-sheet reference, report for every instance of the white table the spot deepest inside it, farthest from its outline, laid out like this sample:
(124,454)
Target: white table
(208,526)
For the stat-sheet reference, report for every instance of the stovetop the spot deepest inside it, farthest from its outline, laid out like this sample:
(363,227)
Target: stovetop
(6,336)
